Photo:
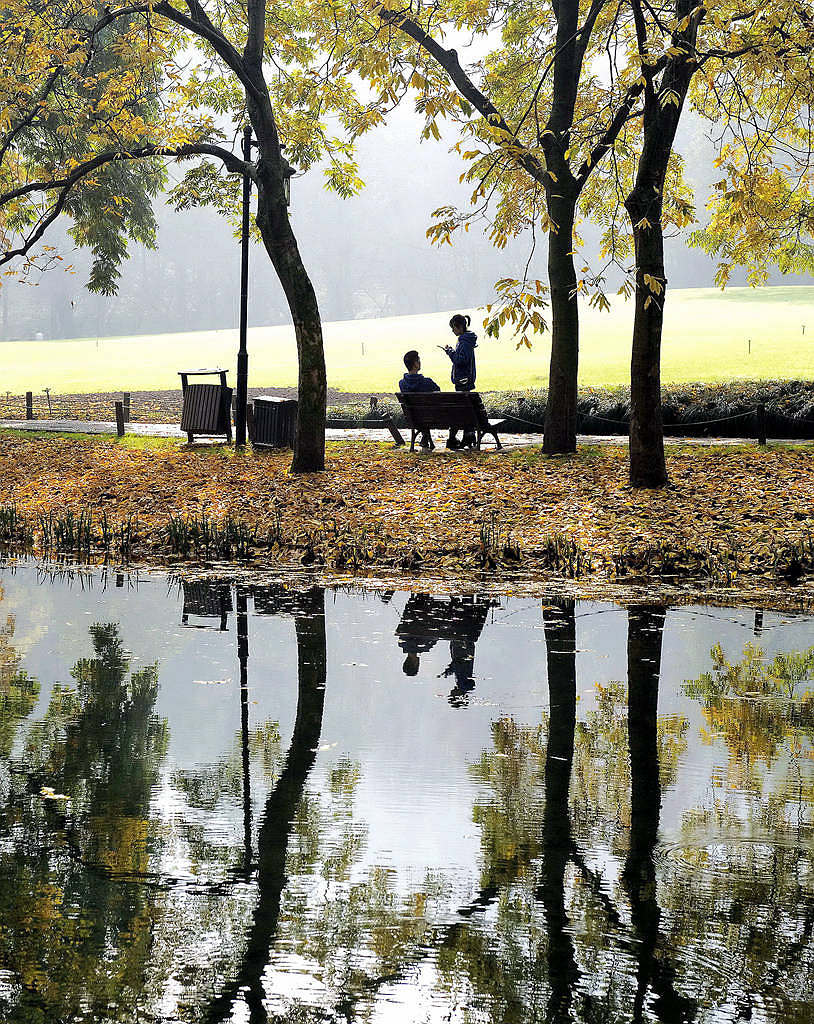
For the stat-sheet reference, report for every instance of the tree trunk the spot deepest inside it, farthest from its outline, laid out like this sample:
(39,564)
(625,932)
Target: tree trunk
(647,464)
(281,245)
(561,405)
(662,112)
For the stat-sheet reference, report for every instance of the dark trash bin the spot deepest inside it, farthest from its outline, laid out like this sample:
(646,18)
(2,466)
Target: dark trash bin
(274,422)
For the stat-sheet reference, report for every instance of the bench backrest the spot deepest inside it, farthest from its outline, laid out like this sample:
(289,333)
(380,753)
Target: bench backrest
(443,409)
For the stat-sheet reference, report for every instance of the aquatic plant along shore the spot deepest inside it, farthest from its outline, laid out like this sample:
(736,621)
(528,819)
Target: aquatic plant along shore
(733,517)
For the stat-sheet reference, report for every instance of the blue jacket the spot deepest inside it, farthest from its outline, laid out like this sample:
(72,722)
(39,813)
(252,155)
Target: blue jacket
(417,382)
(463,361)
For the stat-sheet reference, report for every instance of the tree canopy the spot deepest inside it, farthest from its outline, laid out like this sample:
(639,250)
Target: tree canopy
(570,110)
(96,98)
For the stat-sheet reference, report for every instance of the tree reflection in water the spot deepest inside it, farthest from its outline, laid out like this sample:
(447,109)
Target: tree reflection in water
(654,969)
(581,912)
(279,814)
(750,846)
(76,922)
(560,634)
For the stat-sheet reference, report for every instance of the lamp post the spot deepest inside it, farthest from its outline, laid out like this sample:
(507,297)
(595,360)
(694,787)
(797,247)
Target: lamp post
(241,394)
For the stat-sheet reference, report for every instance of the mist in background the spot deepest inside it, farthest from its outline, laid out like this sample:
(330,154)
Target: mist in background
(367,256)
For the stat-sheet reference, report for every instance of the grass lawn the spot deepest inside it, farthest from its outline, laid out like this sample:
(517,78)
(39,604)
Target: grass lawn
(707,335)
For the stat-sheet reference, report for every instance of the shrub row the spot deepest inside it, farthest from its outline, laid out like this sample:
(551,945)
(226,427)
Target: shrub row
(686,409)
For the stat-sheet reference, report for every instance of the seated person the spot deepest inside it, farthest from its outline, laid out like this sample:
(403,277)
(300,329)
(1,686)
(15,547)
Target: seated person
(413,380)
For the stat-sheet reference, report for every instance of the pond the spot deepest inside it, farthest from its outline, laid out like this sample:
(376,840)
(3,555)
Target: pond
(235,802)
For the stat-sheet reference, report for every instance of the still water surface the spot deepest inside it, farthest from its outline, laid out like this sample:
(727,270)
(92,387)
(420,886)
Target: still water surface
(224,803)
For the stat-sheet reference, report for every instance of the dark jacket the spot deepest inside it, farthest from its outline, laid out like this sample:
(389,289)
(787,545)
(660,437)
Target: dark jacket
(463,361)
(417,382)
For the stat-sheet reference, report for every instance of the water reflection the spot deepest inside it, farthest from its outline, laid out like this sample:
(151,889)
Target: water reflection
(77,841)
(278,815)
(459,620)
(654,969)
(256,822)
(205,600)
(560,636)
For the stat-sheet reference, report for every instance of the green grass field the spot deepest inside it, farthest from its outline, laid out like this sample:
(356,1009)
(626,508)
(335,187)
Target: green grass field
(707,335)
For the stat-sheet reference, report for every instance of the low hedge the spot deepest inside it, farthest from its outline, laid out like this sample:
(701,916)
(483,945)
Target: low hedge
(720,410)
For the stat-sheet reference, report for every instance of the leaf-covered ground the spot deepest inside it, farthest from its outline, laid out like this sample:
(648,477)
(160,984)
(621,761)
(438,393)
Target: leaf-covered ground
(732,515)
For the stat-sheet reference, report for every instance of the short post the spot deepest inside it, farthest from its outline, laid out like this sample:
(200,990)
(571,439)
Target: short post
(761,424)
(250,420)
(29,405)
(119,419)
(126,405)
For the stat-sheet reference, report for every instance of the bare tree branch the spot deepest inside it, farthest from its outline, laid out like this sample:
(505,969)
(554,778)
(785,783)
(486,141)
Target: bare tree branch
(65,185)
(448,60)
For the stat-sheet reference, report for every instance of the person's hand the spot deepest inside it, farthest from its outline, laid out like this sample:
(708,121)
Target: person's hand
(448,349)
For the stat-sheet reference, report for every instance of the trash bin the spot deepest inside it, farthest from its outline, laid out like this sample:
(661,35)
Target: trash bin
(206,408)
(275,422)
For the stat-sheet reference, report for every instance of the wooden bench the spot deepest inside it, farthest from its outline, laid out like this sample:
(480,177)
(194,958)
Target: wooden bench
(445,410)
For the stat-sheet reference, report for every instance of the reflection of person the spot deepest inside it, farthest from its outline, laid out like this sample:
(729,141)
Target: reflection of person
(414,381)
(419,611)
(462,666)
(463,369)
(459,620)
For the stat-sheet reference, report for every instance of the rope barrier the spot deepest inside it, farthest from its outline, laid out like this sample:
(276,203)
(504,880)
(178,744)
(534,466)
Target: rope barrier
(529,423)
(721,419)
(626,423)
(78,410)
(603,419)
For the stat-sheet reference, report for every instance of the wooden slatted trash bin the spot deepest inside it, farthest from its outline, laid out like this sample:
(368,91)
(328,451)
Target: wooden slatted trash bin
(207,601)
(274,422)
(206,408)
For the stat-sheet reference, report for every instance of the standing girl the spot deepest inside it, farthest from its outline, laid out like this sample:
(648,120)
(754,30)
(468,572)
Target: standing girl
(463,369)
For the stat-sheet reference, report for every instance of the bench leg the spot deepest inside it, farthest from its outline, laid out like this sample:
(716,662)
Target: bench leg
(413,434)
(394,431)
(483,433)
(189,437)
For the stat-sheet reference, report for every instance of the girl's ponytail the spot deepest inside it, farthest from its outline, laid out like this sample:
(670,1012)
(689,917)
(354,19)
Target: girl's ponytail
(460,320)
